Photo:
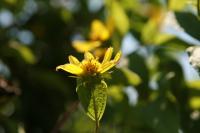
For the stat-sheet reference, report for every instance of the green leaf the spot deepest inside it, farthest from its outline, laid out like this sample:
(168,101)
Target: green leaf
(132,77)
(150,31)
(175,43)
(124,77)
(120,18)
(192,26)
(93,96)
(177,5)
(139,66)
(24,51)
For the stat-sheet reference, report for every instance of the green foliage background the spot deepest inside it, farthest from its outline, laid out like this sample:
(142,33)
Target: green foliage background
(36,99)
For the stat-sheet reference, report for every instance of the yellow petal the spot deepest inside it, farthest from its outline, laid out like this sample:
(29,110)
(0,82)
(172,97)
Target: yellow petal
(99,31)
(73,60)
(106,66)
(108,55)
(117,56)
(88,56)
(95,63)
(71,68)
(84,46)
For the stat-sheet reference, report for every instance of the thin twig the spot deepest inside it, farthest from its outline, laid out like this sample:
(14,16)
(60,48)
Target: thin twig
(71,108)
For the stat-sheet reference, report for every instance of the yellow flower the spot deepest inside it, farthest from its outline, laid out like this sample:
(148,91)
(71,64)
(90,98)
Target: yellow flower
(90,65)
(99,31)
(84,46)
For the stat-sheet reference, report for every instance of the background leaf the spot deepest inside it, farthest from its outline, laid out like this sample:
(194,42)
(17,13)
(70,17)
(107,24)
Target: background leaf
(121,20)
(192,27)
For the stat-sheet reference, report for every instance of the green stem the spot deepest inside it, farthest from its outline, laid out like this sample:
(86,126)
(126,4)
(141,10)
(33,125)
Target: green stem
(95,112)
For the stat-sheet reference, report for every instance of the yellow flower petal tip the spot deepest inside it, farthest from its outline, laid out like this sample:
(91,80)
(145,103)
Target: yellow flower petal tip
(118,56)
(90,65)
(73,60)
(108,55)
(88,56)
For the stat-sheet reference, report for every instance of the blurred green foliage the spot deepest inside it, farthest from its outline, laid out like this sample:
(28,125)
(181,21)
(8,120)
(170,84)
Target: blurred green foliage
(149,92)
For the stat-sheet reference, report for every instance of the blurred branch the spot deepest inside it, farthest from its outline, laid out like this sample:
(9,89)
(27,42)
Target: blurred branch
(8,87)
(71,108)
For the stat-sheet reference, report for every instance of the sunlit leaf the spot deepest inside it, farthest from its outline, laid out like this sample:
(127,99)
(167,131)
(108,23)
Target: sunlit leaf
(121,20)
(195,102)
(132,77)
(12,2)
(149,32)
(131,4)
(125,77)
(93,96)
(177,5)
(161,38)
(116,92)
(194,84)
(24,51)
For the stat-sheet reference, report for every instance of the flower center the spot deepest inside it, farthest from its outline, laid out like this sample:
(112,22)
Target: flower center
(90,66)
